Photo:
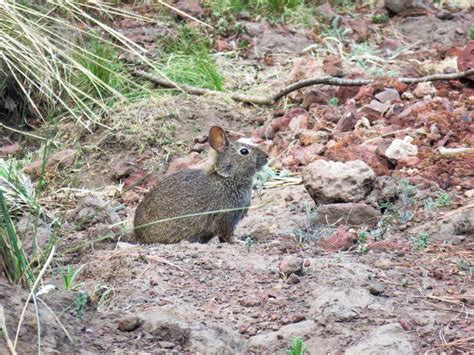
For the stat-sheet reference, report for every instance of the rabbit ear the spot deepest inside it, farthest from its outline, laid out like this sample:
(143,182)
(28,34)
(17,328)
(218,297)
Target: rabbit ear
(217,138)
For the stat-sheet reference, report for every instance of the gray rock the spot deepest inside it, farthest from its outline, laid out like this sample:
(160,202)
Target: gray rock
(90,211)
(453,224)
(388,94)
(388,340)
(329,181)
(398,6)
(347,214)
(291,265)
(208,338)
(341,305)
(376,288)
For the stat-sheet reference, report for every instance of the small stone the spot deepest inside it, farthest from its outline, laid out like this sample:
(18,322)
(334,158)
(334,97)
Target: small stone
(341,239)
(376,288)
(407,96)
(122,170)
(129,323)
(250,301)
(388,95)
(383,263)
(166,344)
(424,89)
(469,193)
(460,31)
(291,264)
(293,279)
(130,197)
(362,123)
(10,149)
(401,148)
(306,263)
(377,106)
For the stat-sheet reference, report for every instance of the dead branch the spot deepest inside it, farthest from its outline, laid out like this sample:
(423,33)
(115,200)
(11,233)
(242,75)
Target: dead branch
(269,100)
(455,151)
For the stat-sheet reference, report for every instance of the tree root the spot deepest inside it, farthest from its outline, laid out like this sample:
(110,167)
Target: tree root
(269,100)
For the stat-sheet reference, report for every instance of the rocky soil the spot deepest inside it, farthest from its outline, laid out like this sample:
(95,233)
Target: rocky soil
(363,244)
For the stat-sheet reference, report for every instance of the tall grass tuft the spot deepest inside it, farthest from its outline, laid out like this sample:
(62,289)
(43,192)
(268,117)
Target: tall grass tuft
(14,261)
(43,52)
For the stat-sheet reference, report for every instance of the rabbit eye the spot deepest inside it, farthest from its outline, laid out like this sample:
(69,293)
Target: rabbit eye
(244,151)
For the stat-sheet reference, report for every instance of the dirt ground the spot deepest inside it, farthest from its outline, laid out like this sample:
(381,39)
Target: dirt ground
(287,276)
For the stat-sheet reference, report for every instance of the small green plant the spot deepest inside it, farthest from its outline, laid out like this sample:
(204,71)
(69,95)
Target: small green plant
(333,101)
(296,347)
(471,32)
(379,18)
(308,231)
(443,200)
(80,302)
(362,240)
(186,60)
(69,275)
(248,242)
(464,265)
(420,242)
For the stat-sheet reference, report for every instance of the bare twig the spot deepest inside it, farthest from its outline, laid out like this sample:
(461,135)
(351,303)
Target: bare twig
(3,327)
(455,151)
(269,100)
(33,288)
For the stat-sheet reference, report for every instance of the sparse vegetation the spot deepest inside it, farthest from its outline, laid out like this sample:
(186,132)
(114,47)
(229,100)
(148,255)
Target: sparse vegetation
(296,347)
(442,200)
(471,32)
(362,241)
(69,276)
(420,242)
(49,63)
(379,18)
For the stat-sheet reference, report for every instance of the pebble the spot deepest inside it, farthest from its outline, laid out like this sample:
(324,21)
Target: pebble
(129,323)
(293,279)
(383,263)
(376,288)
(291,264)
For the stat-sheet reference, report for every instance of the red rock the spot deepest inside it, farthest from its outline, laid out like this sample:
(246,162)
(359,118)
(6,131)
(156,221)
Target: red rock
(408,162)
(61,159)
(466,58)
(360,27)
(142,179)
(366,153)
(346,123)
(365,92)
(312,96)
(344,93)
(10,149)
(332,66)
(189,7)
(187,162)
(130,197)
(308,137)
(326,10)
(308,154)
(341,239)
(406,325)
(282,123)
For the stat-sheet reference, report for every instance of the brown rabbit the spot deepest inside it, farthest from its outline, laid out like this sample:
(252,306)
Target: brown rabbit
(227,184)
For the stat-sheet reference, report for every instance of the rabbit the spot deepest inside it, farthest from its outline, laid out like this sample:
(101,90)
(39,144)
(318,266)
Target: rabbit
(225,184)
